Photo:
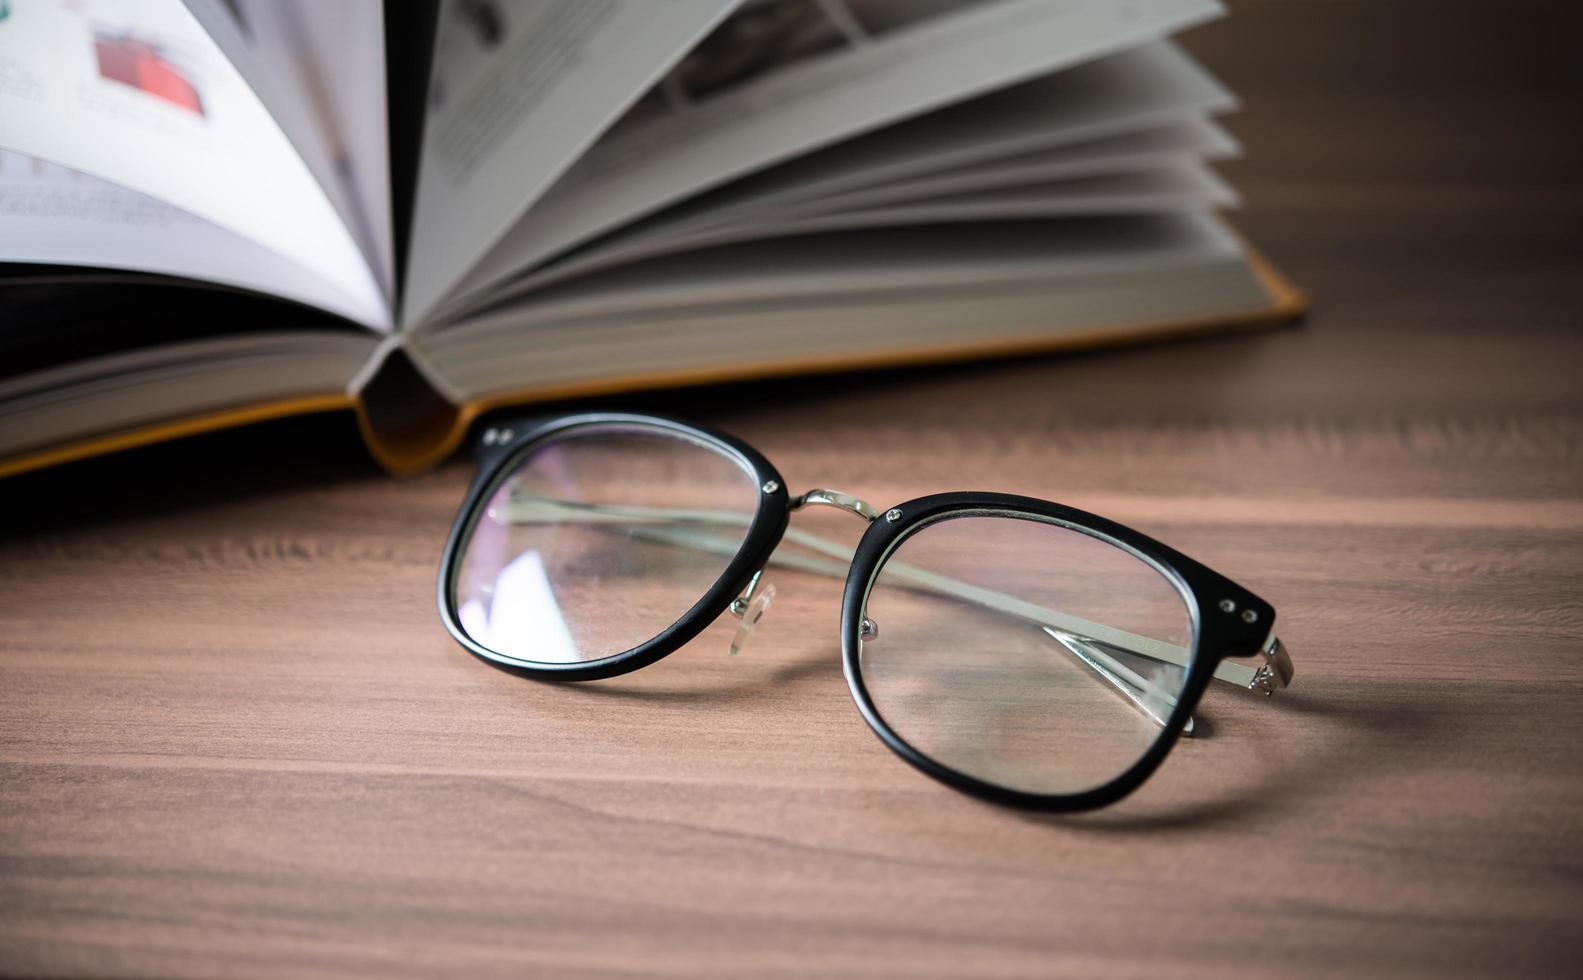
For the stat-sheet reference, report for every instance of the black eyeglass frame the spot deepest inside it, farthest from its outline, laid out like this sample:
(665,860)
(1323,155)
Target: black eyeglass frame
(517,440)
(1229,621)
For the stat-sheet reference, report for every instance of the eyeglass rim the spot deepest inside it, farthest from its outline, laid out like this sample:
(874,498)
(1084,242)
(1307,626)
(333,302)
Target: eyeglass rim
(769,523)
(1217,633)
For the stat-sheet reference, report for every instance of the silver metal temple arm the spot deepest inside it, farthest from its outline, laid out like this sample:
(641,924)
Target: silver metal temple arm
(1268,677)
(1145,695)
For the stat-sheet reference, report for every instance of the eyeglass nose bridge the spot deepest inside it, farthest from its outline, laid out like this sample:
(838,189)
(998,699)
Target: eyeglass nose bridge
(838,499)
(754,600)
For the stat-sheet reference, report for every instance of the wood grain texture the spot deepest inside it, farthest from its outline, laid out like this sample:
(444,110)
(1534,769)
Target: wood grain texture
(234,739)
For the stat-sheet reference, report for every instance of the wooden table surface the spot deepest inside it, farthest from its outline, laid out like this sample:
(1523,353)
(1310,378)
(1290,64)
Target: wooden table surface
(234,738)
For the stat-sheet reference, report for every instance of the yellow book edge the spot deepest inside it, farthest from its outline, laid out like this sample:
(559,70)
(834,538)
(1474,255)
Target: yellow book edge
(1288,303)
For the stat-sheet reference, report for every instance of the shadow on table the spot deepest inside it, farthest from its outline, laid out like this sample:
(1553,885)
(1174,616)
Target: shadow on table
(235,466)
(746,685)
(1331,737)
(1335,740)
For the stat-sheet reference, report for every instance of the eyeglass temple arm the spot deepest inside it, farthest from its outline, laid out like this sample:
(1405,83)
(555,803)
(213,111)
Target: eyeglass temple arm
(1144,694)
(1066,629)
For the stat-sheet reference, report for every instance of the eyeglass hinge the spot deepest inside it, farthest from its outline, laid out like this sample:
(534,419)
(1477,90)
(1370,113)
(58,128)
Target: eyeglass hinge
(1276,671)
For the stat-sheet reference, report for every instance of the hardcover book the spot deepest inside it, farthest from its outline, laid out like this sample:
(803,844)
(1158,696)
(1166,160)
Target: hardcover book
(219,211)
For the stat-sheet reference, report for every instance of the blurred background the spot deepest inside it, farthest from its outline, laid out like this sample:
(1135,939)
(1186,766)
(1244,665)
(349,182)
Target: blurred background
(1412,164)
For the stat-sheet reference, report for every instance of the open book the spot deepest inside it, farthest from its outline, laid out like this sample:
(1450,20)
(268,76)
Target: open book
(214,211)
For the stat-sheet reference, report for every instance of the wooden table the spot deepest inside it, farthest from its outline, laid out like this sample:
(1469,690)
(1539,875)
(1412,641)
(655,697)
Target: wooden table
(234,738)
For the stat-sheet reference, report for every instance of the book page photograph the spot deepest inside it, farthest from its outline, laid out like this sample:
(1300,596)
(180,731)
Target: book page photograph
(138,94)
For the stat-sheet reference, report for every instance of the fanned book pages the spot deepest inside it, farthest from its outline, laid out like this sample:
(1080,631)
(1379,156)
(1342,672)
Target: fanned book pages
(216,211)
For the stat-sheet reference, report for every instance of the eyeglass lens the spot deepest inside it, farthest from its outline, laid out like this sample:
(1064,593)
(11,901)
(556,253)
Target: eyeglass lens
(1024,653)
(598,540)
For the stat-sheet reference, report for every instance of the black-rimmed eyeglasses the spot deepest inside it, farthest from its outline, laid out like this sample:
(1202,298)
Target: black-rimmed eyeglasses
(1019,650)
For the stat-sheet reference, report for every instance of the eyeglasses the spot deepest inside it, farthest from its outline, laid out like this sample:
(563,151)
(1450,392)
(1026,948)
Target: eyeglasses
(1019,650)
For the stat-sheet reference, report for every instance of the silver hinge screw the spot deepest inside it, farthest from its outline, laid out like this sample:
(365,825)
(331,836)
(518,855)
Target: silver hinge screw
(770,486)
(893,515)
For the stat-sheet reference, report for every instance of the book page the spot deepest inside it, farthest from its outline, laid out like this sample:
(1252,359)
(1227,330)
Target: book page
(517,93)
(52,214)
(176,381)
(1143,88)
(887,294)
(320,70)
(848,263)
(724,115)
(1180,187)
(707,220)
(1190,139)
(138,94)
